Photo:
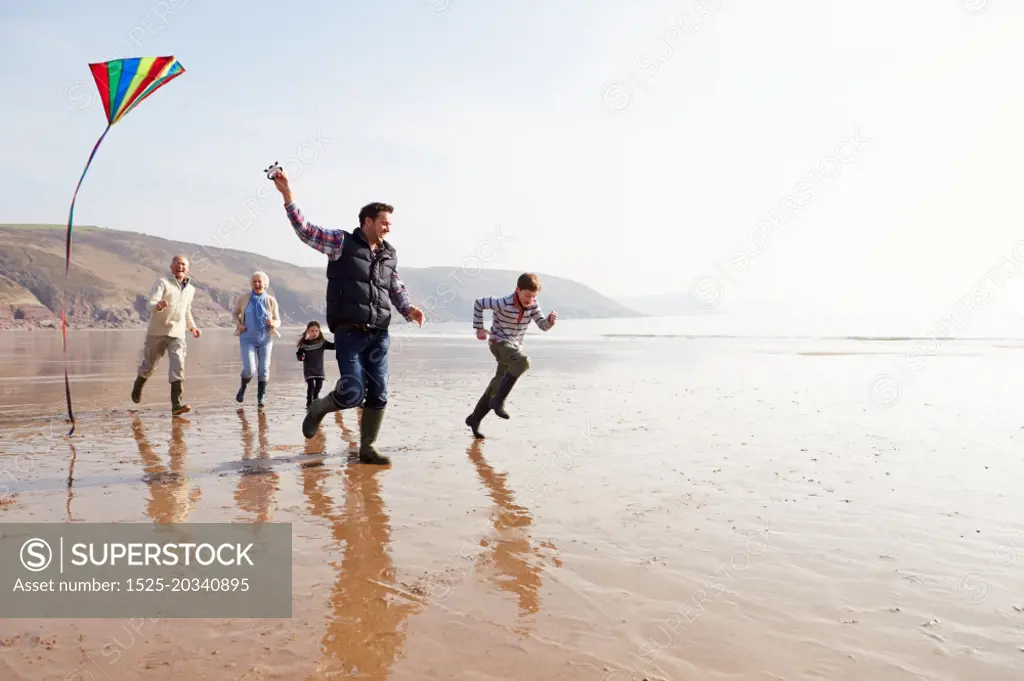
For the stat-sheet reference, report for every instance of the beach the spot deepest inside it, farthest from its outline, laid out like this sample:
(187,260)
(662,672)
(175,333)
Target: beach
(657,507)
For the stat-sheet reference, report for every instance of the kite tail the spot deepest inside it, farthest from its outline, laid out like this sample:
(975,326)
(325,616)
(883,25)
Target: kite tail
(67,269)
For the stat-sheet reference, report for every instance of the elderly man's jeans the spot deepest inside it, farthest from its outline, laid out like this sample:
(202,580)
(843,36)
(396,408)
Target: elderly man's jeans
(363,367)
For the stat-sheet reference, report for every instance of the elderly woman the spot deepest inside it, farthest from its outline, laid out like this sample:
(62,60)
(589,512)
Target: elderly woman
(257,317)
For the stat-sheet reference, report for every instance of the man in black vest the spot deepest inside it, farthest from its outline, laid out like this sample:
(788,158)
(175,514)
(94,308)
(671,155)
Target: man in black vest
(362,285)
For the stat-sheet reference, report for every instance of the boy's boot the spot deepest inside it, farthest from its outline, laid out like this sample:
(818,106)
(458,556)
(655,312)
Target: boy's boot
(137,389)
(483,406)
(504,388)
(369,428)
(316,413)
(177,408)
(261,390)
(240,397)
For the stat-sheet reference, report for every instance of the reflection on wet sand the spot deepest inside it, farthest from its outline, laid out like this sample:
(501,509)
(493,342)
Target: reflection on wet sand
(839,552)
(365,628)
(257,481)
(170,497)
(516,561)
(71,479)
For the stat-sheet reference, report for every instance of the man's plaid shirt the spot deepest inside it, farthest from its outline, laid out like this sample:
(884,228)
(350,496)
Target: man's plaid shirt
(329,242)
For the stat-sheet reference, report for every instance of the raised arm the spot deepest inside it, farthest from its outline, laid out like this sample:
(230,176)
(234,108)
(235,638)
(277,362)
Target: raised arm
(327,241)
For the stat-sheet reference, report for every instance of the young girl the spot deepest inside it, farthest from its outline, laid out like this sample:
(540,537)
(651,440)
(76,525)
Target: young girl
(310,352)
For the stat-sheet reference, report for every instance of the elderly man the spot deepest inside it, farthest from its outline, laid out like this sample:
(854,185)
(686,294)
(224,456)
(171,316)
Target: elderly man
(362,286)
(170,308)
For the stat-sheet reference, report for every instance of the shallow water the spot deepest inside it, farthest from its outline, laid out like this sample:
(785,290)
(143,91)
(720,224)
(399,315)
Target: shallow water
(676,508)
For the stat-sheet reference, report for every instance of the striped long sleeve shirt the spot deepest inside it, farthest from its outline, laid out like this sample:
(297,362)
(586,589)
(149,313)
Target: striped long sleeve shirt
(509,323)
(330,241)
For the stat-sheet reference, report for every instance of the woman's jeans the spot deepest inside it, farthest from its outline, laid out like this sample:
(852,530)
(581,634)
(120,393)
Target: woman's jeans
(256,356)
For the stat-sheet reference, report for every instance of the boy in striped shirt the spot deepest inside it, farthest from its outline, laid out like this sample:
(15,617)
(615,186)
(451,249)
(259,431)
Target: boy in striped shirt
(511,315)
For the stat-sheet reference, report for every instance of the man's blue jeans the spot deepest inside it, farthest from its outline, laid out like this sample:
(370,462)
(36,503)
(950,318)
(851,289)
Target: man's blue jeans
(363,366)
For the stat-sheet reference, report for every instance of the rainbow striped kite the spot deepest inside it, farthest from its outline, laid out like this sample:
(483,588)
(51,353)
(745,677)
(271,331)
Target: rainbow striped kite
(123,84)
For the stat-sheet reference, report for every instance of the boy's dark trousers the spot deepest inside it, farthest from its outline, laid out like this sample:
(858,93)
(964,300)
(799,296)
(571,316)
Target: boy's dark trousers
(313,386)
(512,363)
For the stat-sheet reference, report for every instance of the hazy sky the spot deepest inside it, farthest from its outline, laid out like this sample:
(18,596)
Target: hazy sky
(630,146)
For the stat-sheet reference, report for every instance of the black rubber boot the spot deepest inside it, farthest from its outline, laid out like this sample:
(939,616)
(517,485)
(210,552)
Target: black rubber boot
(137,389)
(261,391)
(316,413)
(240,397)
(483,406)
(177,408)
(504,388)
(369,428)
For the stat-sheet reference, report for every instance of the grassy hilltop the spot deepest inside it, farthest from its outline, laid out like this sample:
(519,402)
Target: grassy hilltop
(112,272)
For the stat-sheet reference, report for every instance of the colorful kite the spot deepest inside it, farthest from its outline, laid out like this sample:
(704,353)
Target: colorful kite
(122,83)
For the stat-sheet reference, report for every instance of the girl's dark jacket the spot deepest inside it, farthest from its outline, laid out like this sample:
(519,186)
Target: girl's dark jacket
(311,354)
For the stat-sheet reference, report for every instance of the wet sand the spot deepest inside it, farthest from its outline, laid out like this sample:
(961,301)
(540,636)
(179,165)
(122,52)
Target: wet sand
(675,509)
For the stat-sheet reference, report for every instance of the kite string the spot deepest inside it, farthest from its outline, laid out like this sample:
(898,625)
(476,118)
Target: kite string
(67,269)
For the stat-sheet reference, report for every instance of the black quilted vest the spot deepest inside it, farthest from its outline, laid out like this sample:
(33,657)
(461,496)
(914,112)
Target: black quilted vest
(358,283)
